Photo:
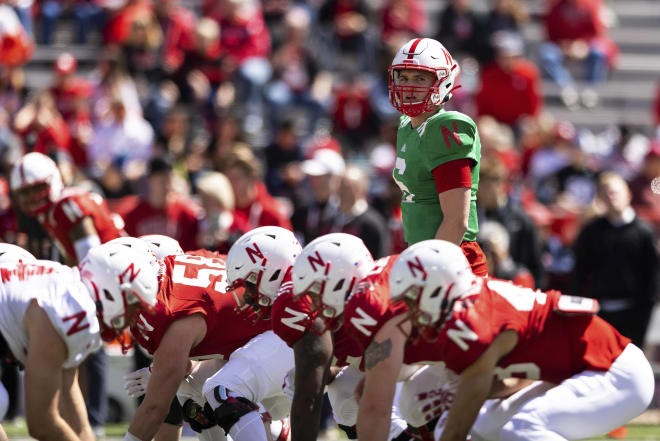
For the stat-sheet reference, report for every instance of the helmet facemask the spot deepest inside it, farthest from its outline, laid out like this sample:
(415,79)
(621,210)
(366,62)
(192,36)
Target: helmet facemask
(118,328)
(35,198)
(403,97)
(254,304)
(331,316)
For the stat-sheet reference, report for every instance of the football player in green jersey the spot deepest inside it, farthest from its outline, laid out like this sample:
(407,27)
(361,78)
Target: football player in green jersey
(438,151)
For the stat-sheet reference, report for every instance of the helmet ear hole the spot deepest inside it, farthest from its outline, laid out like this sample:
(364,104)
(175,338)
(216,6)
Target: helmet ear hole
(339,285)
(436,292)
(275,275)
(107,295)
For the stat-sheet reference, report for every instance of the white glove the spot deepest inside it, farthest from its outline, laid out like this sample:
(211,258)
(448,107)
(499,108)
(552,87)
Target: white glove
(288,387)
(136,382)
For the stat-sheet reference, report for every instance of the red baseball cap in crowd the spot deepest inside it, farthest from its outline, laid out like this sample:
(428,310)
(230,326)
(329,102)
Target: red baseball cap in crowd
(65,63)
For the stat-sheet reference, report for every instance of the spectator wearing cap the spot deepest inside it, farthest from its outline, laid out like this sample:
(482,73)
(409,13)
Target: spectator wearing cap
(253,202)
(160,210)
(357,217)
(316,215)
(494,204)
(219,227)
(71,94)
(509,79)
(617,262)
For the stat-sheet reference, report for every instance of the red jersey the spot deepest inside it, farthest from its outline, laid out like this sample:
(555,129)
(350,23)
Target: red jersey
(290,316)
(73,205)
(558,337)
(264,210)
(196,283)
(370,307)
(179,219)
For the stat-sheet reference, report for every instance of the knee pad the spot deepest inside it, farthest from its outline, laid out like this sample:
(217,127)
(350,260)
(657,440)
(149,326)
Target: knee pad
(350,431)
(231,409)
(198,417)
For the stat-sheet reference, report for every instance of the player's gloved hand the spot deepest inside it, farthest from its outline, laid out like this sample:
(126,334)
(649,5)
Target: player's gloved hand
(288,387)
(136,382)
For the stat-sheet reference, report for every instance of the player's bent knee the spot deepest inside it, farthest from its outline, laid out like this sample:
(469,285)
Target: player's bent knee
(199,417)
(230,409)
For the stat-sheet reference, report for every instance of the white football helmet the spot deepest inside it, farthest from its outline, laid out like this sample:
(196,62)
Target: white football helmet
(11,253)
(133,243)
(430,276)
(259,260)
(118,277)
(427,55)
(328,269)
(37,183)
(162,246)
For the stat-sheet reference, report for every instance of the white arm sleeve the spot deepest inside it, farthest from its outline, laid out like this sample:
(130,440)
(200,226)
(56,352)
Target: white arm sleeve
(82,246)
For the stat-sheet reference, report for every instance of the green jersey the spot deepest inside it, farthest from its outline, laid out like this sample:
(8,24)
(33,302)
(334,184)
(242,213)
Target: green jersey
(444,137)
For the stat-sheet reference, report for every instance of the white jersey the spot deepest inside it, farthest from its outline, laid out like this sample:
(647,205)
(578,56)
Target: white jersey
(59,291)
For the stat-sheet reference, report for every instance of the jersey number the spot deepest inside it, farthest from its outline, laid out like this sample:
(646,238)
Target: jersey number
(399,169)
(531,371)
(203,277)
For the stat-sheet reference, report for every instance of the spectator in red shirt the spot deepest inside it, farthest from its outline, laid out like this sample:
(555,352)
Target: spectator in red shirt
(71,94)
(574,30)
(177,25)
(245,43)
(510,79)
(402,20)
(161,211)
(253,202)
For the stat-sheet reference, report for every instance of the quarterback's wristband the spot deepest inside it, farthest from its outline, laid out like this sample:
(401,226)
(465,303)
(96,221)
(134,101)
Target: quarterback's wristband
(130,437)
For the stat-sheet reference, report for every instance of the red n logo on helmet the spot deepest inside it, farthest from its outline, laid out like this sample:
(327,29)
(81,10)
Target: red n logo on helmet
(254,253)
(133,274)
(415,266)
(318,260)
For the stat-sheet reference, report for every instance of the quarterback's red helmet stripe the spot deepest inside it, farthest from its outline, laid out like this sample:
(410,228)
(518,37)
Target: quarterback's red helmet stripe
(413,46)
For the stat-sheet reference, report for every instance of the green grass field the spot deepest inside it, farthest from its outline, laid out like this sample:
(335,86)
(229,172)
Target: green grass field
(636,432)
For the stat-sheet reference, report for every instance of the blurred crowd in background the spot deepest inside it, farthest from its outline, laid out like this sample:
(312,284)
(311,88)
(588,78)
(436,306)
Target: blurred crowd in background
(204,119)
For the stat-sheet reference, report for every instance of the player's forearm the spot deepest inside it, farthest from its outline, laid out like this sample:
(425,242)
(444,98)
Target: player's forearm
(147,420)
(451,230)
(373,422)
(470,396)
